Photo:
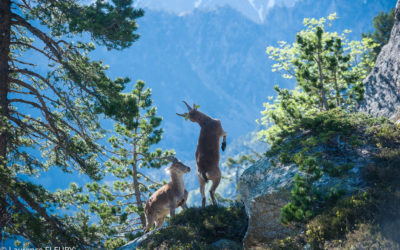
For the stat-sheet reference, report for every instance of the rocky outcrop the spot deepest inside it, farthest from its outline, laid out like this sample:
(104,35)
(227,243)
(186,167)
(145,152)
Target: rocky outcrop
(382,85)
(265,189)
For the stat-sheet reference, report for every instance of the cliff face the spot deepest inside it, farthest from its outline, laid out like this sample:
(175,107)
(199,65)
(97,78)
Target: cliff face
(382,85)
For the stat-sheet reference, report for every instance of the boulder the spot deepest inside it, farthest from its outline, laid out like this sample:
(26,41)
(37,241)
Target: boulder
(382,85)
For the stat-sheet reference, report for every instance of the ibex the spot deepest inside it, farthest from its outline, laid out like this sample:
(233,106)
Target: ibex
(168,197)
(207,153)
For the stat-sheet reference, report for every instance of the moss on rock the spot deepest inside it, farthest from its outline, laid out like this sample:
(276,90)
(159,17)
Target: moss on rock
(198,228)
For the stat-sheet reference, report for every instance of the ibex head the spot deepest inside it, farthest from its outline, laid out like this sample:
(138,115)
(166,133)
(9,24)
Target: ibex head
(177,166)
(193,113)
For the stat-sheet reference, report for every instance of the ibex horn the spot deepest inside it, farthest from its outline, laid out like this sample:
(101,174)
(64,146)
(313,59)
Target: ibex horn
(187,105)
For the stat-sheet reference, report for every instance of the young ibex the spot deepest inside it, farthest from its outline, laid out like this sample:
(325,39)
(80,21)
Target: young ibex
(168,197)
(207,153)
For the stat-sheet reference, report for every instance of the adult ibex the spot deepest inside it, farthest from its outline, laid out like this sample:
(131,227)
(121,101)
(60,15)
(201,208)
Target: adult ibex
(168,197)
(207,153)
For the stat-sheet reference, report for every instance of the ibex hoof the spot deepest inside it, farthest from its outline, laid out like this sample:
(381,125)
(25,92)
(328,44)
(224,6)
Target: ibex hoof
(223,146)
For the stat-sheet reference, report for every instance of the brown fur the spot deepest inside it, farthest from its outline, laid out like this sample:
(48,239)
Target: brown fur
(168,197)
(207,153)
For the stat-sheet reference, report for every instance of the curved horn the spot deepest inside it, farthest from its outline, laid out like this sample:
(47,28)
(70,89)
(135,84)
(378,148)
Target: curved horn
(183,115)
(187,105)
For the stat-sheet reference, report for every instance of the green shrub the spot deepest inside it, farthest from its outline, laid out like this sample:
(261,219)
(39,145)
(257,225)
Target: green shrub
(197,228)
(215,222)
(174,237)
(365,236)
(289,243)
(313,138)
(375,207)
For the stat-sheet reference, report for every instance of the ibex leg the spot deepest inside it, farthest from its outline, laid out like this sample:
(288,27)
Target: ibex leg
(159,222)
(149,222)
(202,183)
(213,188)
(184,206)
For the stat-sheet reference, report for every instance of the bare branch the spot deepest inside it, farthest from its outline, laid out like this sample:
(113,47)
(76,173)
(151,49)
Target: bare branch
(124,204)
(148,179)
(26,126)
(47,113)
(53,46)
(34,104)
(34,48)
(124,195)
(22,62)
(50,43)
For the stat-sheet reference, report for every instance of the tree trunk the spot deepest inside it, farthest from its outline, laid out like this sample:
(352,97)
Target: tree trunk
(137,189)
(324,103)
(5,28)
(135,172)
(337,90)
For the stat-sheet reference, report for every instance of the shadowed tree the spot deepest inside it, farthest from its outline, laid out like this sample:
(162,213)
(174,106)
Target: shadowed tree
(50,96)
(383,24)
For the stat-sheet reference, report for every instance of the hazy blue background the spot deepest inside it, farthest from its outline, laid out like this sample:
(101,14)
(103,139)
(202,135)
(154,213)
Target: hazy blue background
(212,53)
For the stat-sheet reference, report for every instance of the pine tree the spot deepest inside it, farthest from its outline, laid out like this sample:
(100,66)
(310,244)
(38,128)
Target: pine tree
(383,24)
(329,70)
(120,206)
(49,115)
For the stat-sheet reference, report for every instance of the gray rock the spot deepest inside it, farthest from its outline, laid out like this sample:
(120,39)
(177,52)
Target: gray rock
(225,244)
(265,189)
(382,85)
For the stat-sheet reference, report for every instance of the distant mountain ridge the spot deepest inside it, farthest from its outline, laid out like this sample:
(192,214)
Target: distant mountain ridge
(255,10)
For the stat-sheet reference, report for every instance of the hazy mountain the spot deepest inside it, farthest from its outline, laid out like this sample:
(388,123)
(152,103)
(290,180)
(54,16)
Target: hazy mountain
(256,10)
